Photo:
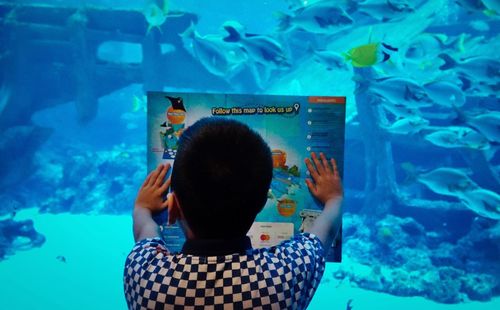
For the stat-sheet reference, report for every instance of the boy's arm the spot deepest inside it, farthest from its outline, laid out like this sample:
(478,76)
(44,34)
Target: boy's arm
(326,187)
(150,200)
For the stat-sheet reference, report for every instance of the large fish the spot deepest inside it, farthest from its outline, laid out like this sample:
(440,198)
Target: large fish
(218,57)
(447,181)
(445,93)
(330,59)
(260,48)
(475,70)
(322,17)
(488,124)
(456,137)
(385,10)
(400,110)
(482,201)
(397,90)
(407,126)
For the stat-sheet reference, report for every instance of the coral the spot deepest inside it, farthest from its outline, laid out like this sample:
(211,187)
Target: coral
(84,181)
(393,255)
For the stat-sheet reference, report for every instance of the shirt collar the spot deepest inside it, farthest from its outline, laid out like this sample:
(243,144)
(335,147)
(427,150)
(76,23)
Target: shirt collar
(216,247)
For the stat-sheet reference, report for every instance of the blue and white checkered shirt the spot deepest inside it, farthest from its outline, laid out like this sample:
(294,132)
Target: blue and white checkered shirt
(281,277)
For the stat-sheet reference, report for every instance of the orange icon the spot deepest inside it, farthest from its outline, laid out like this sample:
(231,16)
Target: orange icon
(287,207)
(176,116)
(279,158)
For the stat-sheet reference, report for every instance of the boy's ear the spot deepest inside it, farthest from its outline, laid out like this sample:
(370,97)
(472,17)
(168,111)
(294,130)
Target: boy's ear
(174,212)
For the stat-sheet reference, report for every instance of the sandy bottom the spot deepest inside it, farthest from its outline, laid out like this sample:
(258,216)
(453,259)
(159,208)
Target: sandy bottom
(95,248)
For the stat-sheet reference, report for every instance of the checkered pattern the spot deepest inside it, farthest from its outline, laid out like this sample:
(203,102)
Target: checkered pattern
(281,277)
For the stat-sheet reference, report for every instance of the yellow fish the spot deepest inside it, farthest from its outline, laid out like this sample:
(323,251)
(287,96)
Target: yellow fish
(369,54)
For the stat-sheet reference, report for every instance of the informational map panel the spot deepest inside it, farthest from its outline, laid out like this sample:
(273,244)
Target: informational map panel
(293,126)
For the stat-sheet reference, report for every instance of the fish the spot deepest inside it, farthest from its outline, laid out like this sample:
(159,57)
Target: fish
(478,69)
(400,110)
(456,137)
(156,16)
(492,7)
(487,123)
(396,90)
(322,17)
(369,54)
(407,126)
(61,258)
(425,46)
(445,93)
(385,10)
(332,60)
(220,58)
(447,181)
(177,103)
(487,7)
(484,202)
(260,48)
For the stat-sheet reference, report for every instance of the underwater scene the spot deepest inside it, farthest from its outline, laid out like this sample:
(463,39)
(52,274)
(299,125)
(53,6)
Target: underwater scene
(421,179)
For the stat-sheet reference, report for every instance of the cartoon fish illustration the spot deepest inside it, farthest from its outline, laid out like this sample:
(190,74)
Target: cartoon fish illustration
(322,17)
(369,54)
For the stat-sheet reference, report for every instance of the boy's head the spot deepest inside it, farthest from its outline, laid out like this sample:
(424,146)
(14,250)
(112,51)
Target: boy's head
(221,176)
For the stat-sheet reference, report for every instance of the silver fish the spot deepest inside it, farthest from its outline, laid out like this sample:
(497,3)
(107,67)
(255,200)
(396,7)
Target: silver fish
(330,59)
(456,137)
(409,125)
(447,181)
(218,57)
(396,89)
(488,124)
(445,94)
(320,17)
(482,201)
(385,10)
(260,48)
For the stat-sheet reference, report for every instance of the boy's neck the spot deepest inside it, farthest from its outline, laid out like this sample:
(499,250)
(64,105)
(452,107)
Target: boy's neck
(216,247)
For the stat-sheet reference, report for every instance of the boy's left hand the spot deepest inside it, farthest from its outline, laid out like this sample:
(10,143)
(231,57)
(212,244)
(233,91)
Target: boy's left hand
(152,191)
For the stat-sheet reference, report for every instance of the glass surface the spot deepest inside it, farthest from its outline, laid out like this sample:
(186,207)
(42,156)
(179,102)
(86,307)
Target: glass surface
(421,214)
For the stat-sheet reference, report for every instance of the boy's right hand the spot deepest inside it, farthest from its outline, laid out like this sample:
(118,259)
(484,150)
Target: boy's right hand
(325,184)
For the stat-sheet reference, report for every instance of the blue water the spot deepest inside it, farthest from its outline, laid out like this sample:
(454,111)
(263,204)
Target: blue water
(421,175)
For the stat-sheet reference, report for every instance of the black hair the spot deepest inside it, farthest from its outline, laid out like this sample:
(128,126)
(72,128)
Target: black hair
(221,177)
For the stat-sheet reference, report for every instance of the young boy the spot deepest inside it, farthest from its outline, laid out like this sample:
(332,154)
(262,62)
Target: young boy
(219,183)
